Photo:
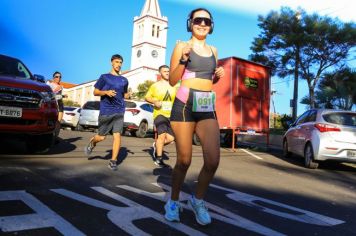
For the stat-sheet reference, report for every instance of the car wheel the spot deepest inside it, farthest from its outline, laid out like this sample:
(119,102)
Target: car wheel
(227,139)
(286,153)
(41,144)
(79,127)
(142,130)
(309,157)
(196,140)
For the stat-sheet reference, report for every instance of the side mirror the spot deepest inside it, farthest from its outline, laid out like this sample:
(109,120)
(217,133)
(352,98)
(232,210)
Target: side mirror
(39,78)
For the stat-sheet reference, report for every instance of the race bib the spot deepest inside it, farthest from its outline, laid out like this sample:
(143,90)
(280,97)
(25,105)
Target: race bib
(166,106)
(203,101)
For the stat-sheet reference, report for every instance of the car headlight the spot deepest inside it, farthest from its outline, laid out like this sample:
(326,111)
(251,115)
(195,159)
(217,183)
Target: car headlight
(48,96)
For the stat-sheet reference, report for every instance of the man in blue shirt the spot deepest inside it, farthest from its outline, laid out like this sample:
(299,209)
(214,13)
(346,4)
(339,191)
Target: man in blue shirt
(112,89)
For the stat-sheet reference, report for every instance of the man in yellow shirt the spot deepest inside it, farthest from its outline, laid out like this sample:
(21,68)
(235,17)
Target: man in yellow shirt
(161,94)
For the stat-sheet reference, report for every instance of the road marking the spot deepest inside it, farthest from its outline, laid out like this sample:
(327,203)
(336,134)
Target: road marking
(43,218)
(123,217)
(296,214)
(221,214)
(255,156)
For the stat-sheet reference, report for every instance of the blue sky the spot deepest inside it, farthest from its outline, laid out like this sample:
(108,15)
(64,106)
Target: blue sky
(78,37)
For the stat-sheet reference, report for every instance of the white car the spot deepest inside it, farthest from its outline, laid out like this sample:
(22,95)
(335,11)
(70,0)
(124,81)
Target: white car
(70,117)
(89,114)
(320,135)
(138,119)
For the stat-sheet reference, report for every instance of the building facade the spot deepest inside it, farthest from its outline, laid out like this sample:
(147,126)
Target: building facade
(148,52)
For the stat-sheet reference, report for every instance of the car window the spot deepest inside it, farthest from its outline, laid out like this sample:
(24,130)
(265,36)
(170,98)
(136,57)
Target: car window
(311,116)
(13,67)
(341,118)
(92,105)
(129,104)
(147,107)
(69,108)
(301,119)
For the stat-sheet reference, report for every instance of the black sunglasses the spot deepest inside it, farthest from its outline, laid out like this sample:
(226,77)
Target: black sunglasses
(57,76)
(199,20)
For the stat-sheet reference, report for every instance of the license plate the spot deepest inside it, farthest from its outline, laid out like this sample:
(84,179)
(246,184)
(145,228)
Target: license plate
(351,154)
(15,112)
(251,131)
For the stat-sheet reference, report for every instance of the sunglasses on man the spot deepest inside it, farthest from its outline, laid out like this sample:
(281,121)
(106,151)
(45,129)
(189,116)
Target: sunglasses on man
(199,21)
(57,76)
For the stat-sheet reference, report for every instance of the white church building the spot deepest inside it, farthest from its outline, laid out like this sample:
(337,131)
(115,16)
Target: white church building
(148,52)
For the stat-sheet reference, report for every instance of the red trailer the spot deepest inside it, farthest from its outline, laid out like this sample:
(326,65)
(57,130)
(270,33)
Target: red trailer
(243,98)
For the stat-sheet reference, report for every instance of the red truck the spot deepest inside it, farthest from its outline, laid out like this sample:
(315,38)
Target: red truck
(243,98)
(28,109)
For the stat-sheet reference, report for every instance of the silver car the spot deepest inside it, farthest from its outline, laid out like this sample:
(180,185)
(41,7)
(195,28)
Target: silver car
(320,135)
(89,115)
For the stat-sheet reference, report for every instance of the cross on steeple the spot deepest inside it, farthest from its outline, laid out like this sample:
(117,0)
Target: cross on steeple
(151,8)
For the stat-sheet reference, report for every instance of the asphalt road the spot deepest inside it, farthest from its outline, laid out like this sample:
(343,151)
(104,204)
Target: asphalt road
(253,193)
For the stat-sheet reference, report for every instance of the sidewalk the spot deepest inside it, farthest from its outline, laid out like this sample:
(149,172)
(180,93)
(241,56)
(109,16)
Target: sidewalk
(260,141)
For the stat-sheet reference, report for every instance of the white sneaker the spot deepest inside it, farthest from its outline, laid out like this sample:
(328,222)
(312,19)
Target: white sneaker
(154,150)
(88,149)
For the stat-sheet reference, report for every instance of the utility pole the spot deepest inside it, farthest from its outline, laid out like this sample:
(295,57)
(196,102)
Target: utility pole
(296,70)
(274,108)
(295,91)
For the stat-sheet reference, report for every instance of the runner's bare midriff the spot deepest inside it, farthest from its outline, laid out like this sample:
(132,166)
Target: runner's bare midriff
(198,84)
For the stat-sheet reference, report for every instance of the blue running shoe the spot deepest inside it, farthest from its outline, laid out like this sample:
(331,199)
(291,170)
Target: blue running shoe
(200,210)
(172,210)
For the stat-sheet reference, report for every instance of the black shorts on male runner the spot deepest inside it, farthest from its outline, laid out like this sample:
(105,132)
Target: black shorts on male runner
(163,125)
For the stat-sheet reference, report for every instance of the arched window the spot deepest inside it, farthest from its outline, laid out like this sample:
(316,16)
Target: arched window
(157,31)
(153,30)
(140,31)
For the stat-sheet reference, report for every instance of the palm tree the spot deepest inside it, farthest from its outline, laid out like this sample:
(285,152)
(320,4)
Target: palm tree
(336,90)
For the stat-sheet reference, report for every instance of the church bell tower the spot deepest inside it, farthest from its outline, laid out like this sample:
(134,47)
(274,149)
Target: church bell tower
(149,37)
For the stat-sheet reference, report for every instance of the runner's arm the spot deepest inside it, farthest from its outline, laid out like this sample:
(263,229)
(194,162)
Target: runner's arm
(149,98)
(127,95)
(110,93)
(177,69)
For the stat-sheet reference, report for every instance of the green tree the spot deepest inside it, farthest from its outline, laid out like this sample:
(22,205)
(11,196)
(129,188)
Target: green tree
(70,103)
(336,90)
(142,89)
(296,44)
